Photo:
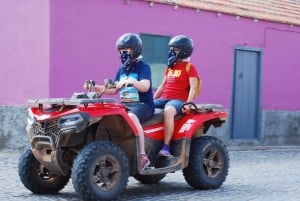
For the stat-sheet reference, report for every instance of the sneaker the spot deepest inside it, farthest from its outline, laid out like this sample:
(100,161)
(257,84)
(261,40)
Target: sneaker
(144,161)
(164,151)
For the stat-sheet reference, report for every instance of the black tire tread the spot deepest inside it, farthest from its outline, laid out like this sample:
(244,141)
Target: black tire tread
(29,177)
(195,174)
(79,174)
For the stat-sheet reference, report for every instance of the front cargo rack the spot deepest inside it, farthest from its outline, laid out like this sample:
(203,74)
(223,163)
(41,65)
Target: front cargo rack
(62,102)
(66,101)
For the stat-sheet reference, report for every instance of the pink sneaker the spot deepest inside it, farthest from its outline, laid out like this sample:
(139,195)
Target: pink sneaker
(144,161)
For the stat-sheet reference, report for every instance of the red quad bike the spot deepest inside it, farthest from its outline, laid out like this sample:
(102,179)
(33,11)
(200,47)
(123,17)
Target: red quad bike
(93,141)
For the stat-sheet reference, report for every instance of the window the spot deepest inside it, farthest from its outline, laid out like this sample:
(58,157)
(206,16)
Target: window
(155,53)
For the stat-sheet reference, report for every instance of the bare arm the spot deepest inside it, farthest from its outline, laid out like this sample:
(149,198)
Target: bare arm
(100,88)
(193,85)
(160,89)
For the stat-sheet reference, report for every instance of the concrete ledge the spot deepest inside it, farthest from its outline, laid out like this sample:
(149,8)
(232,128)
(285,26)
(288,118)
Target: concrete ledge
(279,129)
(262,148)
(13,135)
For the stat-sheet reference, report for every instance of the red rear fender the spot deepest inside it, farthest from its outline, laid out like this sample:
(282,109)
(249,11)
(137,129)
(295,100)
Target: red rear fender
(189,124)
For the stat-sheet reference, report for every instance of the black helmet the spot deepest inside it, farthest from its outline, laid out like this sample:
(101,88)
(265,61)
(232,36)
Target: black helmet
(130,40)
(184,44)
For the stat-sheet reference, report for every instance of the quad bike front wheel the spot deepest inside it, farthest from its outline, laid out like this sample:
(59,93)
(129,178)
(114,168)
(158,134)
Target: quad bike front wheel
(100,171)
(36,177)
(208,163)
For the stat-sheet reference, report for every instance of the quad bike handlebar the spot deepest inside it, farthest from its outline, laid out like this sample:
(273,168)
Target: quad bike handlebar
(90,84)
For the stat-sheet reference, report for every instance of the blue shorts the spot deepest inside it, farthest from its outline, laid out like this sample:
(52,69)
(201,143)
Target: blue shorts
(163,103)
(141,110)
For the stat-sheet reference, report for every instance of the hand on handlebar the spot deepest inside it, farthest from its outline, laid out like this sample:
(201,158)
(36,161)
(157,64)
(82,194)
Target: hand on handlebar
(88,85)
(186,108)
(91,87)
(108,84)
(124,83)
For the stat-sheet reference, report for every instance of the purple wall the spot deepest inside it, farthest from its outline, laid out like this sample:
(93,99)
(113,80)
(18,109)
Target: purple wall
(281,73)
(83,39)
(24,50)
(82,46)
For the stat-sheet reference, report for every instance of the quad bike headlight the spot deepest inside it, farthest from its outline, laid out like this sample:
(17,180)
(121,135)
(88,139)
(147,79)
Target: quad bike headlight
(30,118)
(30,122)
(71,121)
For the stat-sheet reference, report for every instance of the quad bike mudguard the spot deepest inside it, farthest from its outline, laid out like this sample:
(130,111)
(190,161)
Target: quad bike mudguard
(50,132)
(203,116)
(187,126)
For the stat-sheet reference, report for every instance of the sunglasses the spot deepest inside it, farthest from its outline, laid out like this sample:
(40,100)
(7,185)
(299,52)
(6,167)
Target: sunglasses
(125,51)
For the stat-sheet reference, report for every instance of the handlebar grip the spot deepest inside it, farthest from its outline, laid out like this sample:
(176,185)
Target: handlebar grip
(90,84)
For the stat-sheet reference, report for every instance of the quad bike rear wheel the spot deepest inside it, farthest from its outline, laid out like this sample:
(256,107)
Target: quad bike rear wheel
(37,178)
(208,163)
(100,171)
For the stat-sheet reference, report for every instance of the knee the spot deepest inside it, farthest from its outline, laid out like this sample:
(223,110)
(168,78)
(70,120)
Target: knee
(170,111)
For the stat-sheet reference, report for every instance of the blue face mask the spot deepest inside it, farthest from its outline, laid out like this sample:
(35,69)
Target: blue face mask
(171,58)
(125,57)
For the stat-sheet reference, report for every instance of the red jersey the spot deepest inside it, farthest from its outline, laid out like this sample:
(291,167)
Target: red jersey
(177,84)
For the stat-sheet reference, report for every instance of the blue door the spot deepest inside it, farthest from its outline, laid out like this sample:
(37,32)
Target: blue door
(246,108)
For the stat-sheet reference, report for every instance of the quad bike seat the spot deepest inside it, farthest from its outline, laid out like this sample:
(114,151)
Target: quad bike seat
(158,116)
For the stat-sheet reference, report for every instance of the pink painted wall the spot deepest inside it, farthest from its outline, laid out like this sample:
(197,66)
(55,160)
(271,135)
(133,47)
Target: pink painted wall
(24,50)
(82,46)
(83,36)
(281,73)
